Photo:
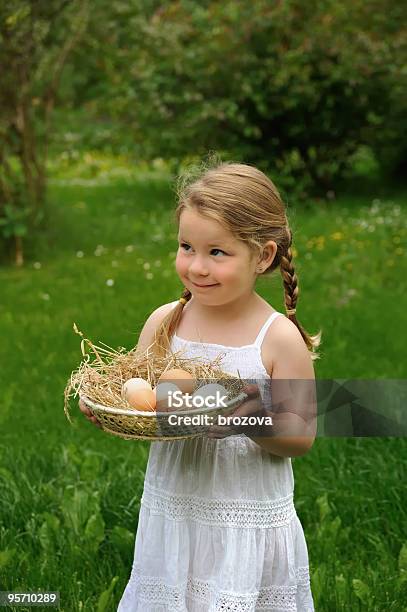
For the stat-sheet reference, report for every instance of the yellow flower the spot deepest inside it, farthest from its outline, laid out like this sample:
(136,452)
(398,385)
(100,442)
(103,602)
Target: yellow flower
(318,241)
(294,252)
(337,236)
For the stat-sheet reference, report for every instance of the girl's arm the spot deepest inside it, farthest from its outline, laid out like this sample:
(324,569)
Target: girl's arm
(294,399)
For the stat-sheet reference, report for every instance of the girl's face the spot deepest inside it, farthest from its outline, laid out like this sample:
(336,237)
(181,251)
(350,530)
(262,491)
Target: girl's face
(211,262)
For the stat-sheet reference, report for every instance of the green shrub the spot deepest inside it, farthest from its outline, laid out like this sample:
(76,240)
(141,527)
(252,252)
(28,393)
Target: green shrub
(292,86)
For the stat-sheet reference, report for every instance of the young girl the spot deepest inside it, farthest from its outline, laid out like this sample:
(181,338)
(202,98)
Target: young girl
(217,527)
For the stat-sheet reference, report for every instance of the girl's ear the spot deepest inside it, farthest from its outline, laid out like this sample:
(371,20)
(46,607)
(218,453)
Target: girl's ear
(267,256)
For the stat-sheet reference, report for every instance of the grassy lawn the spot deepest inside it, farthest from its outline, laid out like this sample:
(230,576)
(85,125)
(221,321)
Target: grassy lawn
(70,495)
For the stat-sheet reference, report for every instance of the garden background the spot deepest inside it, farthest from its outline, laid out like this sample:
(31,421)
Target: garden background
(102,104)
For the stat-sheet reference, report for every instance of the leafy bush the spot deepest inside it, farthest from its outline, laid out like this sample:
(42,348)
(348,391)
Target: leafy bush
(292,86)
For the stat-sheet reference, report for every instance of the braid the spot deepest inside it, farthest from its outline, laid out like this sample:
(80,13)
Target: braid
(291,291)
(289,279)
(167,329)
(185,295)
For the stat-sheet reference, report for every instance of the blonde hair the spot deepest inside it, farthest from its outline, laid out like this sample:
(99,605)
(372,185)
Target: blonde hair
(246,202)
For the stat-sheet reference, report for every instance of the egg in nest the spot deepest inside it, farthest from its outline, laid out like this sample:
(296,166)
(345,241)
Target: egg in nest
(182,379)
(139,394)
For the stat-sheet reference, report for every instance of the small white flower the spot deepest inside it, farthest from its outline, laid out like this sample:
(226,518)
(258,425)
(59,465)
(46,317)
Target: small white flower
(79,254)
(149,275)
(157,263)
(157,237)
(100,249)
(114,264)
(146,266)
(45,296)
(110,282)
(37,265)
(166,273)
(129,248)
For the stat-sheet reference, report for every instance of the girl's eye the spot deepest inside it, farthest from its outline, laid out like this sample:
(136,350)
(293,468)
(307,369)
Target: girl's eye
(186,246)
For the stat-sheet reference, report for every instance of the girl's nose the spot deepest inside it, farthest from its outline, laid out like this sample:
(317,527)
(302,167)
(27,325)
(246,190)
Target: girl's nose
(198,267)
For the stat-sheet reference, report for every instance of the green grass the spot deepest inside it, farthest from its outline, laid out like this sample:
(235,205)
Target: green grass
(70,495)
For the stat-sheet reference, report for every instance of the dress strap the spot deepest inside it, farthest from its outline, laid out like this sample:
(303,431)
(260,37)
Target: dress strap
(265,327)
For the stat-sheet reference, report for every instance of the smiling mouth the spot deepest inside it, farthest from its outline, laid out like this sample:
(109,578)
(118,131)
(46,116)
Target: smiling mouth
(203,286)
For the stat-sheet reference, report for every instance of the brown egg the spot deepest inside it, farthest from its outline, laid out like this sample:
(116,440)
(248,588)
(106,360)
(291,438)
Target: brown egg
(184,380)
(139,395)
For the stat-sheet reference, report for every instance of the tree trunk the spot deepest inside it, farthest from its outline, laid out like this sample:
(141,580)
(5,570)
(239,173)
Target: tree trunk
(19,251)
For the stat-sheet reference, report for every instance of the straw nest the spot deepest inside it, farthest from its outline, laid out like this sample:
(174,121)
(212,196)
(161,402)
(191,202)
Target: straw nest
(103,370)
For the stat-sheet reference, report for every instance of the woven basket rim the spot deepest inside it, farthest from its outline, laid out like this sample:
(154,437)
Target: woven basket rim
(153,414)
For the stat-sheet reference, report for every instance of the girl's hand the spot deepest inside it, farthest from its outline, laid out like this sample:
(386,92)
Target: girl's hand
(252,407)
(83,408)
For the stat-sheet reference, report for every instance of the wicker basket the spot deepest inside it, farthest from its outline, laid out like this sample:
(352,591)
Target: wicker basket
(137,425)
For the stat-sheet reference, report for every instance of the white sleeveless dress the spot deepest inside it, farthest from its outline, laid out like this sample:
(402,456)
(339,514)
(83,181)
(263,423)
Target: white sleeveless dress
(217,529)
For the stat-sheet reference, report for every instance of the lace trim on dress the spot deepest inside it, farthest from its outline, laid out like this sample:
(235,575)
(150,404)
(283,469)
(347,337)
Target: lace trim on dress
(154,591)
(269,598)
(220,512)
(302,574)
